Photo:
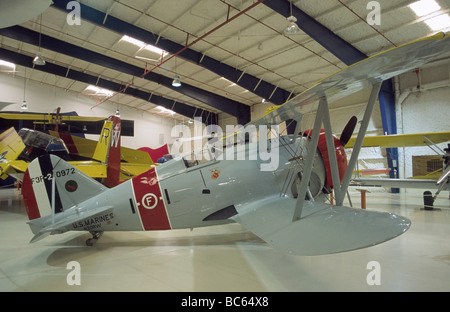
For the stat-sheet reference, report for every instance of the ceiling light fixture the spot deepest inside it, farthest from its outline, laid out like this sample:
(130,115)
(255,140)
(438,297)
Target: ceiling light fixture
(176,81)
(24,105)
(292,28)
(38,60)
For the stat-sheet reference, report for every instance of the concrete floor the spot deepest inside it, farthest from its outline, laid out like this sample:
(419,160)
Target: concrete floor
(224,258)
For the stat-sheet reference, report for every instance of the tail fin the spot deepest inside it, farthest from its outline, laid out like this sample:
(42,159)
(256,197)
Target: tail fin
(113,151)
(70,187)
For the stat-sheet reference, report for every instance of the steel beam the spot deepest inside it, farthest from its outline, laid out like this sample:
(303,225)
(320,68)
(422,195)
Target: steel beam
(264,89)
(179,107)
(388,118)
(239,110)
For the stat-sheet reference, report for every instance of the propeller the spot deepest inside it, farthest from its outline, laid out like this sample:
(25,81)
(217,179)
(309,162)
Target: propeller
(348,130)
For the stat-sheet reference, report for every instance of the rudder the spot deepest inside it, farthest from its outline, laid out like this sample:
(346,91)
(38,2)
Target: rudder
(70,184)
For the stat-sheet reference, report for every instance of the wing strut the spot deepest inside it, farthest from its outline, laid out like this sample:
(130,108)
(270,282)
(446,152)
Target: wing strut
(323,116)
(310,158)
(359,140)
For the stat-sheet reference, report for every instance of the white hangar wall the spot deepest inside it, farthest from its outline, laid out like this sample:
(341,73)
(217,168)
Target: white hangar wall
(423,105)
(149,130)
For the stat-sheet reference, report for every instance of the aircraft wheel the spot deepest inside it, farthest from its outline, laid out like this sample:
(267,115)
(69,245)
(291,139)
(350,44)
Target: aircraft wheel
(95,236)
(90,242)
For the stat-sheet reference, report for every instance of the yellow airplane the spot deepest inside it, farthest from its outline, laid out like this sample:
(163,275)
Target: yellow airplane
(11,146)
(402,140)
(438,179)
(67,122)
(107,159)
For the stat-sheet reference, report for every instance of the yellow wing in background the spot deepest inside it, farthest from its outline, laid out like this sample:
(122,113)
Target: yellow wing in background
(403,140)
(11,146)
(93,168)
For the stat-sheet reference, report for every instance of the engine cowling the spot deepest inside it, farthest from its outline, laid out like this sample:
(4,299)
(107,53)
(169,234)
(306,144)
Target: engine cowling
(340,156)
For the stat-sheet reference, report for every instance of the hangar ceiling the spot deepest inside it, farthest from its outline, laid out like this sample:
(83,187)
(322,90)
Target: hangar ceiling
(229,54)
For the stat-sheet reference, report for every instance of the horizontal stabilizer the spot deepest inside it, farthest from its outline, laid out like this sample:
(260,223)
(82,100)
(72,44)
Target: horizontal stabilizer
(323,229)
(64,220)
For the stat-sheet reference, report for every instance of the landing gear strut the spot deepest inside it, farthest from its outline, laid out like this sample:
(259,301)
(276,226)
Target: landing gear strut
(95,237)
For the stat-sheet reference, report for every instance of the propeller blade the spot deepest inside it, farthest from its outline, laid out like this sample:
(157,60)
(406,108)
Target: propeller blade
(348,130)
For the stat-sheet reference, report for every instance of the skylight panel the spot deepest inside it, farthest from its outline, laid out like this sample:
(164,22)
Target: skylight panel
(143,45)
(8,65)
(164,110)
(99,91)
(156,50)
(424,7)
(134,41)
(440,22)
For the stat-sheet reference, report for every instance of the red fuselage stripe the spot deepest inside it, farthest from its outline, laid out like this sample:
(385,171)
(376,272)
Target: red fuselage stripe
(30,198)
(149,201)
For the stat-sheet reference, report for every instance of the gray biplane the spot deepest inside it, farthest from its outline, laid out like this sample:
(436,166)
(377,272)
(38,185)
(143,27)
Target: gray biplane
(286,207)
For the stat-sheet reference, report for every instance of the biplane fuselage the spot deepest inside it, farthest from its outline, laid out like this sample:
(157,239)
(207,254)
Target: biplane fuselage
(186,193)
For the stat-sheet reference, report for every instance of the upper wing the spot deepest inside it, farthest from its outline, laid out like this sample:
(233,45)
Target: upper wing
(403,140)
(363,74)
(323,229)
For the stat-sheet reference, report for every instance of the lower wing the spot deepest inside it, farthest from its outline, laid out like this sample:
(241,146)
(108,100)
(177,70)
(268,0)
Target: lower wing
(323,229)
